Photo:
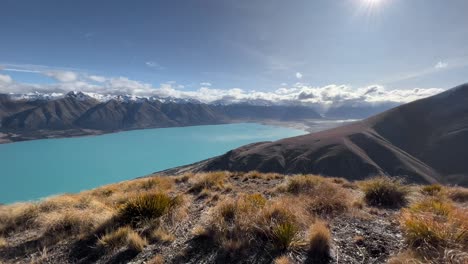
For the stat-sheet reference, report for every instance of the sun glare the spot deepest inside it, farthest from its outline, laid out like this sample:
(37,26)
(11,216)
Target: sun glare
(371,8)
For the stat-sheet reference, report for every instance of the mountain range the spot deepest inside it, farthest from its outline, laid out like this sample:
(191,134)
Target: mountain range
(425,141)
(39,116)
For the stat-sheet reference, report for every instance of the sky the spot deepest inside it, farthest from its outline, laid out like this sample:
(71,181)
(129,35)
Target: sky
(321,50)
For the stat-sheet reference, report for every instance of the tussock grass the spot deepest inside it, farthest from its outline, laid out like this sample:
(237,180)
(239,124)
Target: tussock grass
(321,196)
(122,237)
(319,241)
(434,226)
(17,217)
(437,206)
(162,235)
(158,259)
(458,194)
(148,206)
(282,260)
(301,184)
(3,242)
(209,181)
(433,189)
(251,220)
(385,192)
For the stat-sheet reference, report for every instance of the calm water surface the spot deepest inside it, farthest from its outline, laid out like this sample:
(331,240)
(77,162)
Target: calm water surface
(35,169)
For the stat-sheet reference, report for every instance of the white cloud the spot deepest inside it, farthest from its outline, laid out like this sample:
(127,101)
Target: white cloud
(205,84)
(63,76)
(97,78)
(441,65)
(298,75)
(5,79)
(299,93)
(154,65)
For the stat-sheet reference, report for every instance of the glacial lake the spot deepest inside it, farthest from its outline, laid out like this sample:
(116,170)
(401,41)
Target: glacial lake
(35,169)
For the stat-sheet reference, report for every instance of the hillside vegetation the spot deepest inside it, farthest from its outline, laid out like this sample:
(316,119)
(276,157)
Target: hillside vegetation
(224,217)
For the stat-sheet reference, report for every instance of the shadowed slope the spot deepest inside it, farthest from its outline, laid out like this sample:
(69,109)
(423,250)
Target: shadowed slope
(424,141)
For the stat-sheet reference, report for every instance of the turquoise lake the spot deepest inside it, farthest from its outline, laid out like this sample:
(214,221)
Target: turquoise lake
(35,169)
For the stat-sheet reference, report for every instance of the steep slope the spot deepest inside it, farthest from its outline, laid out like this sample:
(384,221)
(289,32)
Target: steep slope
(424,141)
(54,115)
(9,107)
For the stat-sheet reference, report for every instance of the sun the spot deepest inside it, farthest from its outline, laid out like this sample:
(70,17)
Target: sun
(371,8)
(372,2)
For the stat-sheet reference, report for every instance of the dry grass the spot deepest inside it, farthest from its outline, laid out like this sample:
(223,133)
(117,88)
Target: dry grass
(162,235)
(319,240)
(271,213)
(385,192)
(321,196)
(433,189)
(148,206)
(282,260)
(458,194)
(301,184)
(3,242)
(432,227)
(122,237)
(210,181)
(158,259)
(242,222)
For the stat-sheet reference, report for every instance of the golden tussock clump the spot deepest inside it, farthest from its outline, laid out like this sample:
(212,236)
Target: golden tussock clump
(384,191)
(122,237)
(282,260)
(433,226)
(458,194)
(319,240)
(321,195)
(210,181)
(433,189)
(148,206)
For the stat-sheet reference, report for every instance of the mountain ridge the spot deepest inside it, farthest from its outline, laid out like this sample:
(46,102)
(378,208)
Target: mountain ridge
(422,141)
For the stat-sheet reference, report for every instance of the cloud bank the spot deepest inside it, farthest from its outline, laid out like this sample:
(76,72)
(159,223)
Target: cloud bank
(296,94)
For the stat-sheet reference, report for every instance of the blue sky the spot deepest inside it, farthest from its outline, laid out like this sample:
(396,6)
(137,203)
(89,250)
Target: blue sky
(251,45)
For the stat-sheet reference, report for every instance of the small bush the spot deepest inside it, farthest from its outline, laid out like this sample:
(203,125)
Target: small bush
(124,236)
(432,189)
(319,241)
(148,206)
(385,192)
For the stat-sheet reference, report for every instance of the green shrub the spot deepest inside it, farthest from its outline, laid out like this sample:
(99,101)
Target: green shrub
(385,192)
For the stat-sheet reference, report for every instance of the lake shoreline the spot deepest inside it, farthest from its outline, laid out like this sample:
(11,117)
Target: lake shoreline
(309,125)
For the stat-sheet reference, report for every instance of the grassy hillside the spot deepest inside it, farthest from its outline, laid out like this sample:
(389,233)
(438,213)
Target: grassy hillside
(242,218)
